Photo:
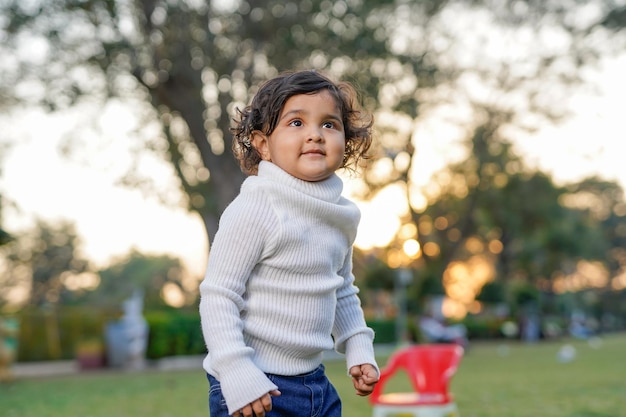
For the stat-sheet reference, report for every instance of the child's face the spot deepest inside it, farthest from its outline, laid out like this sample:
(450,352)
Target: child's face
(309,139)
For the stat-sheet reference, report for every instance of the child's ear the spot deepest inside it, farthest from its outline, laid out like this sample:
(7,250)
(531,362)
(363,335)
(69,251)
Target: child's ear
(260,142)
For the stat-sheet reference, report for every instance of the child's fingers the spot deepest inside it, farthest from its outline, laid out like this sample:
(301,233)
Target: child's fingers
(370,374)
(364,377)
(363,389)
(258,407)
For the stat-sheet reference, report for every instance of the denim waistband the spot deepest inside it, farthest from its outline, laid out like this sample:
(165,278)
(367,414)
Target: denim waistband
(314,375)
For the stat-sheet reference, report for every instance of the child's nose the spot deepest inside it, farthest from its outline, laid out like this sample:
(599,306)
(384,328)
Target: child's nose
(315,135)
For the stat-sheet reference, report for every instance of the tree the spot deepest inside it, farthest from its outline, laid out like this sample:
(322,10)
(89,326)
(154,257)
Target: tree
(7,282)
(509,78)
(161,278)
(605,280)
(603,202)
(5,237)
(45,262)
(492,207)
(186,66)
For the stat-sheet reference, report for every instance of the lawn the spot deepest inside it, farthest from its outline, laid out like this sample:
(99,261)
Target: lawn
(494,380)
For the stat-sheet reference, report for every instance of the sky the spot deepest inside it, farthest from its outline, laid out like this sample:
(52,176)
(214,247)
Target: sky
(592,141)
(112,219)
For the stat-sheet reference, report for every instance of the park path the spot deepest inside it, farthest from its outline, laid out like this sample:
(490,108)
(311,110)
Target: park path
(70,367)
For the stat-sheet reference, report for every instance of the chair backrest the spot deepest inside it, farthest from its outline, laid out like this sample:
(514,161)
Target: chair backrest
(429,368)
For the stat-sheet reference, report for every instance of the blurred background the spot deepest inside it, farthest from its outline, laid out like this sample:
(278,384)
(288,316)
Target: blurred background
(493,199)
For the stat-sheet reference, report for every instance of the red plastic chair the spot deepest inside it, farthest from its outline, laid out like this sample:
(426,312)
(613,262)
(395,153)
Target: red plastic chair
(430,368)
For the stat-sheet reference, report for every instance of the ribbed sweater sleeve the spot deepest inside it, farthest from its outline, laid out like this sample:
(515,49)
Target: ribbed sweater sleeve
(237,247)
(351,335)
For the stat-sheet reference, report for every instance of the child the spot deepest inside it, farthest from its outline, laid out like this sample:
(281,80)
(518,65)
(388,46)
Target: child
(279,289)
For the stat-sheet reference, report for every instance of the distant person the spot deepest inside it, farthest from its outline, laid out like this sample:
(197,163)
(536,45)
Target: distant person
(434,331)
(279,288)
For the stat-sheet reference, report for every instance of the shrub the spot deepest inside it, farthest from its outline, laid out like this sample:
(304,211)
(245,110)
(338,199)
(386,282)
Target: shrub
(54,334)
(385,330)
(174,333)
(483,327)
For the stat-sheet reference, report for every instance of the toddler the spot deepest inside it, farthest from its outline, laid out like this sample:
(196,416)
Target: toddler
(279,288)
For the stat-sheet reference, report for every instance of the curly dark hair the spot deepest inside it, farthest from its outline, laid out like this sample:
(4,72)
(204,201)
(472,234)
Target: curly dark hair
(263,112)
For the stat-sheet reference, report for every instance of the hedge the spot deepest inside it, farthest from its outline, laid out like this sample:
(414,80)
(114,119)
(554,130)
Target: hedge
(54,335)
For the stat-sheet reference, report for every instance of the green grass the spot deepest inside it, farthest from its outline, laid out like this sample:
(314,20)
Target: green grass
(494,380)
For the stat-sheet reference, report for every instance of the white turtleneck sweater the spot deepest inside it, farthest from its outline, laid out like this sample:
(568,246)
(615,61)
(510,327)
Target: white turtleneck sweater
(279,289)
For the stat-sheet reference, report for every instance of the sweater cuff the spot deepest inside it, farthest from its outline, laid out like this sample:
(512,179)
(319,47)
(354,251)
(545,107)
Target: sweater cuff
(360,350)
(243,383)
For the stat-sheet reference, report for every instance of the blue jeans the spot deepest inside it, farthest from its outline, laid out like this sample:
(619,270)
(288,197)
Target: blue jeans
(307,395)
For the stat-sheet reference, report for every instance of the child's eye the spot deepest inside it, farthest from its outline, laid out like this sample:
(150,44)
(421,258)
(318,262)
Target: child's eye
(296,123)
(328,125)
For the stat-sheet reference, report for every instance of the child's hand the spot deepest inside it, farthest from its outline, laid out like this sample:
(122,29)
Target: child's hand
(364,377)
(258,407)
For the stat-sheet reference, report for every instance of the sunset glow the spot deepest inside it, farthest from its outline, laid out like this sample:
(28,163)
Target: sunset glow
(463,281)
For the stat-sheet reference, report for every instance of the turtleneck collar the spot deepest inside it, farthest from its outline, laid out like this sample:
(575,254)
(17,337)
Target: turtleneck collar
(329,189)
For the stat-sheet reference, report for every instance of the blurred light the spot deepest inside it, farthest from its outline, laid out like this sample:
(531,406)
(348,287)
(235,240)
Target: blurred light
(407,231)
(197,200)
(224,85)
(394,258)
(495,246)
(619,282)
(474,245)
(620,209)
(402,161)
(378,227)
(203,174)
(172,295)
(500,180)
(411,248)
(84,281)
(587,275)
(463,281)
(453,309)
(441,223)
(418,201)
(431,249)
(380,217)
(380,169)
(425,225)
(509,329)
(475,307)
(454,234)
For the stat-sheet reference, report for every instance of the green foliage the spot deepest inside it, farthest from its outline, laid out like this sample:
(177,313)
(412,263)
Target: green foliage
(46,259)
(137,271)
(379,275)
(542,230)
(54,334)
(492,293)
(5,237)
(173,333)
(385,330)
(430,283)
(603,202)
(42,259)
(483,327)
(523,294)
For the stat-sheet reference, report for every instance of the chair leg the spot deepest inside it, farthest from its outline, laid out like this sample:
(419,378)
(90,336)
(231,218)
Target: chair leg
(445,410)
